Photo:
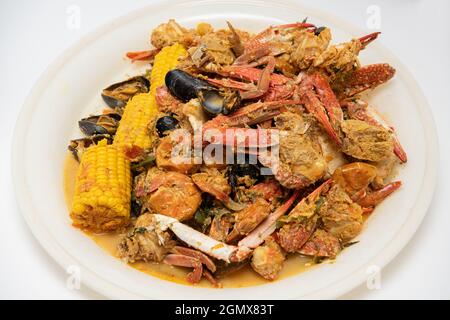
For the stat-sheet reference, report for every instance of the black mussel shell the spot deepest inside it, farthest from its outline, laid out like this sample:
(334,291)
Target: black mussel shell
(136,208)
(212,101)
(78,146)
(100,124)
(165,124)
(118,94)
(186,87)
(246,169)
(235,171)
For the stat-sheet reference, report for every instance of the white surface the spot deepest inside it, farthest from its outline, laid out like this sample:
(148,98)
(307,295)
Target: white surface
(32,40)
(37,166)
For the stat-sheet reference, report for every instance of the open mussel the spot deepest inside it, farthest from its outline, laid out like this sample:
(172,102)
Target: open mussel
(186,87)
(117,95)
(100,124)
(78,146)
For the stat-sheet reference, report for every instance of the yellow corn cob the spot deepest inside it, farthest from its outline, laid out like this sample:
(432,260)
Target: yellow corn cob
(132,133)
(165,61)
(101,201)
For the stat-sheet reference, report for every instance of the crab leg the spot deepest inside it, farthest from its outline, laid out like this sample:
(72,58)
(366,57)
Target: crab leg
(252,114)
(204,259)
(274,92)
(375,197)
(252,74)
(235,40)
(142,55)
(208,276)
(233,84)
(247,56)
(263,81)
(249,90)
(186,261)
(320,101)
(202,242)
(267,227)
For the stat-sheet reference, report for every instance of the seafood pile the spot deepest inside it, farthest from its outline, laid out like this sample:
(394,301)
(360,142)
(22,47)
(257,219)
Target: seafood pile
(307,158)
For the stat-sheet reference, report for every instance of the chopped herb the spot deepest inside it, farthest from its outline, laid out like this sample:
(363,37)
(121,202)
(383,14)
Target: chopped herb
(279,224)
(320,201)
(140,230)
(348,244)
(286,219)
(201,215)
(149,160)
(319,30)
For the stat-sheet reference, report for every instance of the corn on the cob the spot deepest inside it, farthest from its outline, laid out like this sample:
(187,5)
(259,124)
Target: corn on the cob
(101,201)
(132,132)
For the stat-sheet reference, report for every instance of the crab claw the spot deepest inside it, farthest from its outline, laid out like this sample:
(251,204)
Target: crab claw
(320,101)
(365,40)
(365,78)
(202,242)
(375,197)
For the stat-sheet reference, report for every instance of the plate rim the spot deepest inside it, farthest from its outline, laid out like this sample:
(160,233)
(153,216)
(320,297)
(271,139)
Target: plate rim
(111,290)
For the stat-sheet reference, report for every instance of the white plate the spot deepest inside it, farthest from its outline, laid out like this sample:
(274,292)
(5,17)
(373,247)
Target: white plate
(70,89)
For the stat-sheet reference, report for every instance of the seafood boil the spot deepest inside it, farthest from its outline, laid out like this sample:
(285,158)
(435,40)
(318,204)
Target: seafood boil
(237,150)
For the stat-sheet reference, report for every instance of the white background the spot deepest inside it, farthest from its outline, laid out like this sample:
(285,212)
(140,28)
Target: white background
(34,33)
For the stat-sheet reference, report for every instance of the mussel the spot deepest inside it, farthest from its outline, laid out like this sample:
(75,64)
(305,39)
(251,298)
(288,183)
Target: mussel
(186,87)
(165,124)
(236,171)
(78,146)
(100,124)
(117,95)
(245,169)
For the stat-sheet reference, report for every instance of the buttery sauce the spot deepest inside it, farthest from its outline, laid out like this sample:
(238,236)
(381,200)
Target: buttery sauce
(244,277)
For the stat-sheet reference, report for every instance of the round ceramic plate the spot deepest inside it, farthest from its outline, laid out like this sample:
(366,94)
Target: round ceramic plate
(70,89)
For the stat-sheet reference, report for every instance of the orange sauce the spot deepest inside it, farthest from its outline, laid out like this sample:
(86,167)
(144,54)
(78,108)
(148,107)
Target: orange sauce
(244,277)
